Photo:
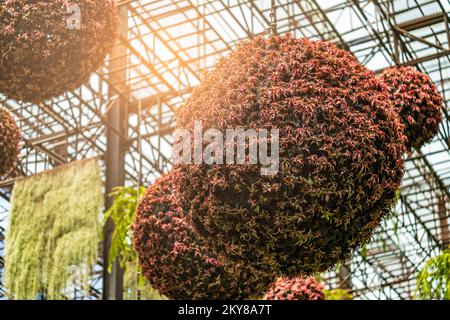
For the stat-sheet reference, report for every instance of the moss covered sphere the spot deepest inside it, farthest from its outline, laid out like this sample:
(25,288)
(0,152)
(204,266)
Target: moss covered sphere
(340,156)
(296,289)
(9,141)
(417,101)
(177,263)
(50,47)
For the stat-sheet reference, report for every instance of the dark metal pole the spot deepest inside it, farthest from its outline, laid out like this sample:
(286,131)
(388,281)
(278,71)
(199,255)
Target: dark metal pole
(117,119)
(273,19)
(345,276)
(443,222)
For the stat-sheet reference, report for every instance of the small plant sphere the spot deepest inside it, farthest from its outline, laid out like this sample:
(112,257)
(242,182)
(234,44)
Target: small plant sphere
(296,289)
(9,141)
(340,156)
(51,47)
(418,102)
(176,263)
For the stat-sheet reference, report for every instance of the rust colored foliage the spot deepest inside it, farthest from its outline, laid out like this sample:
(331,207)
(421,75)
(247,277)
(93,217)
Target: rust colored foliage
(295,289)
(418,102)
(43,54)
(341,147)
(176,263)
(9,141)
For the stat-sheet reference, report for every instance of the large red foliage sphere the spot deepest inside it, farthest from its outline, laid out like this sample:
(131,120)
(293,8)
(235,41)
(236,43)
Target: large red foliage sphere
(178,264)
(9,141)
(340,150)
(295,289)
(418,102)
(50,47)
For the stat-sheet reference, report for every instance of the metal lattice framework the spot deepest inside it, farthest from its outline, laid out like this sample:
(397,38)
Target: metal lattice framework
(163,49)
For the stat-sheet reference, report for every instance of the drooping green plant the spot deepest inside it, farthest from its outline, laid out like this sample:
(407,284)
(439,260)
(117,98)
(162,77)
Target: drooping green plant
(53,231)
(337,294)
(146,292)
(433,280)
(122,213)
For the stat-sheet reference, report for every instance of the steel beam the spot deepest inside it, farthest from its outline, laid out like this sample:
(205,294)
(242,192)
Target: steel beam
(117,117)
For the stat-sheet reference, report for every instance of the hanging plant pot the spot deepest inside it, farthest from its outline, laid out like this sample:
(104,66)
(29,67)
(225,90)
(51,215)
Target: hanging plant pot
(177,263)
(340,156)
(296,289)
(9,141)
(51,47)
(417,101)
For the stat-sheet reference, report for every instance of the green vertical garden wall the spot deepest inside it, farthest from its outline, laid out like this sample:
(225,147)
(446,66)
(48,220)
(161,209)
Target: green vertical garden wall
(53,231)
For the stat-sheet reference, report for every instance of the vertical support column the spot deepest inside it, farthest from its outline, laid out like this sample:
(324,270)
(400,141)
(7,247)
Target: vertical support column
(397,45)
(61,150)
(345,276)
(443,222)
(116,131)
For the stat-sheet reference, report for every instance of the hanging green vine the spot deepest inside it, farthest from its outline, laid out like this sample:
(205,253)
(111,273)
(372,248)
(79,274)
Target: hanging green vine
(53,231)
(122,213)
(433,280)
(337,294)
(129,285)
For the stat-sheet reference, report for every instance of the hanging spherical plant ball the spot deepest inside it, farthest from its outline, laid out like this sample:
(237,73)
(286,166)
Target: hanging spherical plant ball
(176,263)
(9,141)
(336,161)
(417,101)
(295,289)
(51,47)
